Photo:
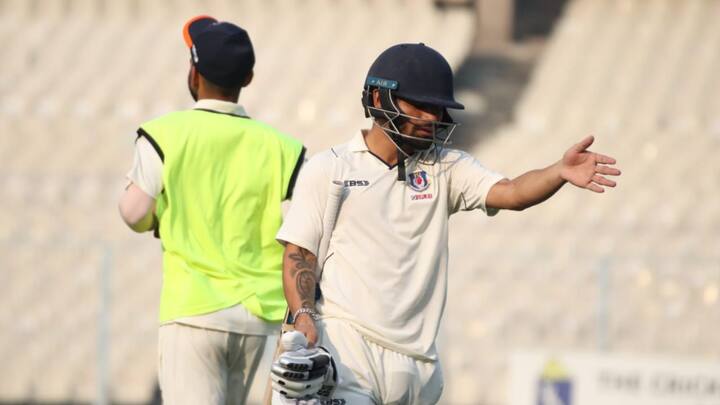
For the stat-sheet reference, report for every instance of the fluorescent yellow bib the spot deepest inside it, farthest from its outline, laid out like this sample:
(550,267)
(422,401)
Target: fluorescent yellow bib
(224,178)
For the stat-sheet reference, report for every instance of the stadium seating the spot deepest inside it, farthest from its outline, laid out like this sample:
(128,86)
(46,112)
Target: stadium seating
(640,76)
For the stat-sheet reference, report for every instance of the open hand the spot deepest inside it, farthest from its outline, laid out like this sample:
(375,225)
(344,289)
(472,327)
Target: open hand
(587,169)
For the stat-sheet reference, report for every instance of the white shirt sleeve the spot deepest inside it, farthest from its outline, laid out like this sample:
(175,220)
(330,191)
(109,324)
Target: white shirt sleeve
(470,183)
(146,171)
(302,225)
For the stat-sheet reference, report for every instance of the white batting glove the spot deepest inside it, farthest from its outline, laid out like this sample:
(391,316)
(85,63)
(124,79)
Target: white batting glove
(302,373)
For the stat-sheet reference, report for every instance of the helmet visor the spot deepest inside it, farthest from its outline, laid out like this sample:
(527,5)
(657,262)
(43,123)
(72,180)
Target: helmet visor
(429,100)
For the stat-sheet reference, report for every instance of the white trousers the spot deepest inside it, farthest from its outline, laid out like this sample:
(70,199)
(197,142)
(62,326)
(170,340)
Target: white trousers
(204,366)
(372,374)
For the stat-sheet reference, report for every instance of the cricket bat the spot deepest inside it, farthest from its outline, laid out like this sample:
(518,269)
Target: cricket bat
(332,208)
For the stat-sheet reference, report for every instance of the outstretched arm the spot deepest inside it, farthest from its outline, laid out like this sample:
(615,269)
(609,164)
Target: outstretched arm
(579,166)
(299,283)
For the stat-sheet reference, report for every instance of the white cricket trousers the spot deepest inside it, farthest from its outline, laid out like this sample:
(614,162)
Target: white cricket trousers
(205,366)
(370,374)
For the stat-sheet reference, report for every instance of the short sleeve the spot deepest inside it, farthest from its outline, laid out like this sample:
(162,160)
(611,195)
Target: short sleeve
(302,225)
(470,183)
(146,171)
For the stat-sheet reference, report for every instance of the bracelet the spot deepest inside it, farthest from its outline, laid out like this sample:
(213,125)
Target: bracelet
(310,311)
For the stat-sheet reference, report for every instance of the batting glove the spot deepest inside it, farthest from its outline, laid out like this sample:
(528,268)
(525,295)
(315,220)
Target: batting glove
(304,373)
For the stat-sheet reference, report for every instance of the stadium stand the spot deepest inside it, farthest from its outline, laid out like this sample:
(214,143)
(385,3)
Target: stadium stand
(640,75)
(80,291)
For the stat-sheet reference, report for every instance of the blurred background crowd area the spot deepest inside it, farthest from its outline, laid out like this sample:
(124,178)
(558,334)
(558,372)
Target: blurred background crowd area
(634,270)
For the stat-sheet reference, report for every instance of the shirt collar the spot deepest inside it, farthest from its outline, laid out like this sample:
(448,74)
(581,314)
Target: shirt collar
(220,106)
(357,143)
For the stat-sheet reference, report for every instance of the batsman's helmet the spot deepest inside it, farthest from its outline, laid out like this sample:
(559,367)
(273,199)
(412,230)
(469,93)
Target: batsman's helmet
(420,75)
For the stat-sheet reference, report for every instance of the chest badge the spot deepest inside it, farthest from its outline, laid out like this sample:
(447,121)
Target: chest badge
(418,181)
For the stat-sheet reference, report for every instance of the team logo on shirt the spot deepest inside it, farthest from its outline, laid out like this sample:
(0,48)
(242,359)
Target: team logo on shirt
(418,181)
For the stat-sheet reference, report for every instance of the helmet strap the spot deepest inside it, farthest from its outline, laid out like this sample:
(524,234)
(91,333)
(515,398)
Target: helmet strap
(401,165)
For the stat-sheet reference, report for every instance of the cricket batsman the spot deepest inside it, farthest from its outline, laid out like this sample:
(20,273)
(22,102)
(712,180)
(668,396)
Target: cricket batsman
(372,316)
(210,182)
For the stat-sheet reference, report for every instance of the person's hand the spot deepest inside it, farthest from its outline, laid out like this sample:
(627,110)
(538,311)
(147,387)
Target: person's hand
(587,169)
(303,373)
(305,324)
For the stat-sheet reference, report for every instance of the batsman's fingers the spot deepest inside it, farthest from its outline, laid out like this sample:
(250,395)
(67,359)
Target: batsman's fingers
(293,362)
(300,388)
(610,171)
(604,159)
(594,187)
(299,365)
(321,360)
(280,371)
(297,389)
(293,394)
(304,360)
(584,144)
(290,374)
(603,181)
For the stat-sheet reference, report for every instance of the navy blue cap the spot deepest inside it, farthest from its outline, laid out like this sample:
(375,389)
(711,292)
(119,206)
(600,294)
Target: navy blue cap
(415,72)
(221,51)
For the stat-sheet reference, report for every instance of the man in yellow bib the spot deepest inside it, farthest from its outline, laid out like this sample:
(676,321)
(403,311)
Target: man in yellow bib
(209,181)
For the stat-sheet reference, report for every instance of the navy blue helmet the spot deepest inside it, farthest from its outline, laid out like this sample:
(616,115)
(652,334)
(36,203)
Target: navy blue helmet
(420,75)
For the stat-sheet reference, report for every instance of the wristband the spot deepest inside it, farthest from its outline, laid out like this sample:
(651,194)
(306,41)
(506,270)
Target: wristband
(310,311)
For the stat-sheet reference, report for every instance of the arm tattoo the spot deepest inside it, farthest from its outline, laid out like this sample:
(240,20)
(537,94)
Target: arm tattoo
(303,271)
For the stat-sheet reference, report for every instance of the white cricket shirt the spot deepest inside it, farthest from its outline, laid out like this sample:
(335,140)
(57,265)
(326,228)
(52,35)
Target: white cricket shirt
(386,268)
